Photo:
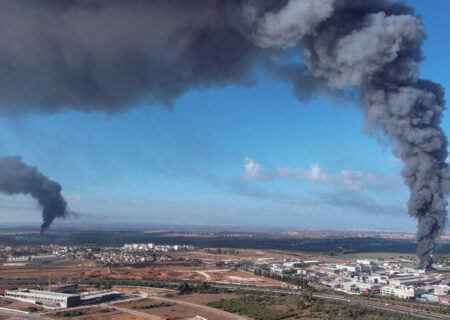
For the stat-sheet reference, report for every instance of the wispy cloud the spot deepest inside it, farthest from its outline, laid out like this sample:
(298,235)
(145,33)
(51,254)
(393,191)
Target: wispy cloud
(255,171)
(314,175)
(348,179)
(345,189)
(358,180)
(355,201)
(318,202)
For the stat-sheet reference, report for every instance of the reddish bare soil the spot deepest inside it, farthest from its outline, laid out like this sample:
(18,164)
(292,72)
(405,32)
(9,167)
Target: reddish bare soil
(14,304)
(194,273)
(97,313)
(205,298)
(174,311)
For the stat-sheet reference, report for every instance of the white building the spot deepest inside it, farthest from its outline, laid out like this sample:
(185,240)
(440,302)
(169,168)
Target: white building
(403,292)
(278,269)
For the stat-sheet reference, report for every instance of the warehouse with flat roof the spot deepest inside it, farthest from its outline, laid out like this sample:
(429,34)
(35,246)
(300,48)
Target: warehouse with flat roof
(46,298)
(92,297)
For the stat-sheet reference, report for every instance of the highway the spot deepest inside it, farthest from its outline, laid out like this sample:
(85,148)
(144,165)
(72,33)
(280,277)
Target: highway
(349,300)
(366,303)
(384,306)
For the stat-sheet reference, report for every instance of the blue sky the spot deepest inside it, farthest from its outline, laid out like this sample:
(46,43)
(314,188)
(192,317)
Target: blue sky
(251,156)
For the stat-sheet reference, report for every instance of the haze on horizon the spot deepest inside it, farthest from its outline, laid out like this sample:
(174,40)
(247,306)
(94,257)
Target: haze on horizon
(251,156)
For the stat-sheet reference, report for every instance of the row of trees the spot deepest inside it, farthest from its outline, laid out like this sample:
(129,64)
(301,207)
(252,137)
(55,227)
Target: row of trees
(221,251)
(332,310)
(288,278)
(203,287)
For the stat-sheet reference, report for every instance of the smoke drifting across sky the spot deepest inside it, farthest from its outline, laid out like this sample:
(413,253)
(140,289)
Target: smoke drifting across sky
(18,178)
(109,55)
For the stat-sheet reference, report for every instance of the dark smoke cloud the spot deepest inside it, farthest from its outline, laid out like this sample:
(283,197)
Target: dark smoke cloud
(108,55)
(111,54)
(18,178)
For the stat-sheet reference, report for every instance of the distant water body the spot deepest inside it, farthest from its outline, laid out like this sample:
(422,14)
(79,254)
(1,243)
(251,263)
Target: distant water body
(119,238)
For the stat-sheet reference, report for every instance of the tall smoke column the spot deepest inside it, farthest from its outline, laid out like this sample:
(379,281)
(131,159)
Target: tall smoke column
(375,46)
(18,178)
(108,55)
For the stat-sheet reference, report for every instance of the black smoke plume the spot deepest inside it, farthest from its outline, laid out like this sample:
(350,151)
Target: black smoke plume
(108,55)
(376,47)
(18,178)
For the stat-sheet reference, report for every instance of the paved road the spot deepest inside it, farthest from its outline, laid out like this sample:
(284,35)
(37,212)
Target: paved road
(137,313)
(384,306)
(207,276)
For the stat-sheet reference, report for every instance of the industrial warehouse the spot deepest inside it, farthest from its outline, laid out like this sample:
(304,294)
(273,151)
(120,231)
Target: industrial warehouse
(61,300)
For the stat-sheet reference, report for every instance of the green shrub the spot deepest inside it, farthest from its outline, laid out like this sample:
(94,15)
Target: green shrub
(72,313)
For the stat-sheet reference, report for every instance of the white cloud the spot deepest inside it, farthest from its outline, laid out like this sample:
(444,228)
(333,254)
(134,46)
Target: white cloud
(255,171)
(314,175)
(350,180)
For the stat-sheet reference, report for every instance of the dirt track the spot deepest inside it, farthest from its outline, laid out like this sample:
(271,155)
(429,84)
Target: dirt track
(167,273)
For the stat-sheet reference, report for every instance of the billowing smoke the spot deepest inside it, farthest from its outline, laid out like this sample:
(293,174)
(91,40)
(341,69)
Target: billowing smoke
(18,178)
(376,47)
(112,54)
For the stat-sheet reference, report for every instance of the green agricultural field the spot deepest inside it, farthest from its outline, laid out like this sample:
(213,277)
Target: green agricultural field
(267,306)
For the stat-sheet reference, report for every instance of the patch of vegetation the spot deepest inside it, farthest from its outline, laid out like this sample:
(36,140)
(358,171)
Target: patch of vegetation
(72,313)
(220,251)
(151,306)
(103,285)
(34,309)
(270,306)
(333,310)
(422,305)
(185,288)
(252,305)
(203,287)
